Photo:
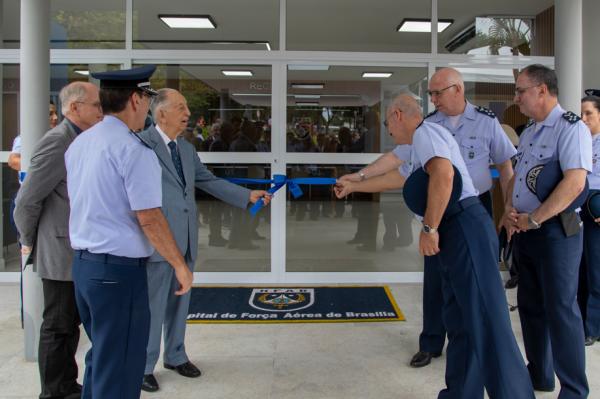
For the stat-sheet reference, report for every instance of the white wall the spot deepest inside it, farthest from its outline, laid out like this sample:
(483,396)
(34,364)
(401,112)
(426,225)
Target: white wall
(591,48)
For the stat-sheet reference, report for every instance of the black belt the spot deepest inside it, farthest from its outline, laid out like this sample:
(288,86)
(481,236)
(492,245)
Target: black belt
(110,259)
(460,206)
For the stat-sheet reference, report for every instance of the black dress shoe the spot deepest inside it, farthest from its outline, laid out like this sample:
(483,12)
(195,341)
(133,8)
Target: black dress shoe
(149,383)
(422,359)
(186,369)
(589,341)
(511,282)
(217,242)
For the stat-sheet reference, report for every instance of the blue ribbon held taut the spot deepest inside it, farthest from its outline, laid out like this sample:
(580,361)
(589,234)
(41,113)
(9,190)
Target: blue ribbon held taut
(279,181)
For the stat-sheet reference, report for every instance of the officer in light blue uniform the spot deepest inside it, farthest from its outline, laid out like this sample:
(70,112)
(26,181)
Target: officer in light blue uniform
(481,139)
(588,293)
(548,238)
(114,186)
(482,349)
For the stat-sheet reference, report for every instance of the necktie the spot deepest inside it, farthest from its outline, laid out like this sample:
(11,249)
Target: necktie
(176,160)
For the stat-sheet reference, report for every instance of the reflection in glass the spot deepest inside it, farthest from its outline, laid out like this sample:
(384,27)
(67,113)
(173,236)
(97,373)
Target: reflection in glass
(362,233)
(87,25)
(336,110)
(227,113)
(10,257)
(230,239)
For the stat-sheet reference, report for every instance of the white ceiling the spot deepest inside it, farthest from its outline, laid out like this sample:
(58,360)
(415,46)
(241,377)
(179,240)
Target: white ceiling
(333,25)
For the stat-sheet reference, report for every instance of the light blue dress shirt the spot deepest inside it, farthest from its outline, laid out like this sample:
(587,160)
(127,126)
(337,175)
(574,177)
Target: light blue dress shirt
(481,139)
(555,138)
(110,175)
(594,177)
(402,152)
(432,140)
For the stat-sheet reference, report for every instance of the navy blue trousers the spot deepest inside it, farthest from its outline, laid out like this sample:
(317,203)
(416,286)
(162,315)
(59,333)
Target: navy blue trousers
(588,294)
(112,298)
(550,318)
(433,335)
(482,349)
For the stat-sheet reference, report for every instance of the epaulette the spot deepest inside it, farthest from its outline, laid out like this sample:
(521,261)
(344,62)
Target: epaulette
(485,111)
(571,117)
(431,113)
(529,123)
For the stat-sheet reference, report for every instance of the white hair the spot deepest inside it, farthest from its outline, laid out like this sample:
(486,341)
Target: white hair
(73,92)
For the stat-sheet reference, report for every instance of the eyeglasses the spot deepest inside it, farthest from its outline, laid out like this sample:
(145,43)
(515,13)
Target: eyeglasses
(436,93)
(519,91)
(94,104)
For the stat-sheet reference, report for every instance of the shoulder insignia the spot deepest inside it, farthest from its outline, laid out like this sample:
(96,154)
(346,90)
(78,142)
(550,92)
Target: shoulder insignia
(529,123)
(485,111)
(431,113)
(571,117)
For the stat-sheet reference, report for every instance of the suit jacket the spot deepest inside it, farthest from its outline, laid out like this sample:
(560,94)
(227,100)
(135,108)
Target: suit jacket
(42,205)
(179,201)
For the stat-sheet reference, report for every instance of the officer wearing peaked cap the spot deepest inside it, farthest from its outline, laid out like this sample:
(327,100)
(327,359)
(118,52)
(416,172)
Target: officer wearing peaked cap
(482,350)
(547,234)
(114,186)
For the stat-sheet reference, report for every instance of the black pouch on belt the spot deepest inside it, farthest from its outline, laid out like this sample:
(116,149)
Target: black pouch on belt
(571,222)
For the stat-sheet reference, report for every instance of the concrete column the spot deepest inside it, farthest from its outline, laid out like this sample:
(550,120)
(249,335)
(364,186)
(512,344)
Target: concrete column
(35,89)
(568,39)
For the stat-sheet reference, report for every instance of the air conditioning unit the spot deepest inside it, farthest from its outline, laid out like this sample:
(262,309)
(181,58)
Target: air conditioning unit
(461,38)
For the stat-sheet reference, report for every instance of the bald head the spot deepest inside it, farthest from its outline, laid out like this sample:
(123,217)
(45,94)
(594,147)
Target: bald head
(448,77)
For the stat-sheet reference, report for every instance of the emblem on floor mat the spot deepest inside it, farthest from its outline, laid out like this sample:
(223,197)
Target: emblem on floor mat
(281,299)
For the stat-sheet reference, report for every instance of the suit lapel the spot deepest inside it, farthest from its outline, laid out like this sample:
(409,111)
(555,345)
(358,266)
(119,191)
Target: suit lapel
(163,153)
(186,162)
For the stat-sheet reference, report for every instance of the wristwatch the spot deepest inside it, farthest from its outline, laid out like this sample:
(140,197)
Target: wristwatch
(362,175)
(427,229)
(532,224)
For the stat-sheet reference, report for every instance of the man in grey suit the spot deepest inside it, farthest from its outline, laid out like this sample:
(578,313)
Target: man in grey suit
(182,172)
(42,218)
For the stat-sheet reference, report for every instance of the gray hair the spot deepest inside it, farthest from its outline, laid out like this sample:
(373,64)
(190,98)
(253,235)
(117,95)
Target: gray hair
(161,100)
(407,102)
(73,92)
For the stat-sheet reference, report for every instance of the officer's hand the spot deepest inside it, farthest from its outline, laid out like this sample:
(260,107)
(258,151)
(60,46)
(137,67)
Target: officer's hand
(25,250)
(523,221)
(255,195)
(343,188)
(350,177)
(185,278)
(429,243)
(597,220)
(509,221)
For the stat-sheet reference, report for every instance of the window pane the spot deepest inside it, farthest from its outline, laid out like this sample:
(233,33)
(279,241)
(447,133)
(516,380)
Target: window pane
(239,25)
(497,28)
(230,239)
(11,254)
(232,111)
(363,233)
(87,24)
(337,110)
(342,25)
(10,31)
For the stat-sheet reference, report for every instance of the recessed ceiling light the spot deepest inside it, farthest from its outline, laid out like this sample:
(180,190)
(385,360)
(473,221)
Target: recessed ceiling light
(236,73)
(307,96)
(188,21)
(307,85)
(83,72)
(307,104)
(376,74)
(296,67)
(422,25)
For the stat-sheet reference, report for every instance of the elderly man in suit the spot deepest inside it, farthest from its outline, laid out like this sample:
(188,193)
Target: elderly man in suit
(42,218)
(182,172)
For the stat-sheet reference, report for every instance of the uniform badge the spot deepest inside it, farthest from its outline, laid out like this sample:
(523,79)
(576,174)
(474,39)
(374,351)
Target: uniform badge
(282,299)
(471,154)
(531,178)
(485,111)
(571,117)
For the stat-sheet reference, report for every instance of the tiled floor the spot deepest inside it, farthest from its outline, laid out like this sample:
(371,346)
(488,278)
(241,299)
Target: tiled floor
(279,361)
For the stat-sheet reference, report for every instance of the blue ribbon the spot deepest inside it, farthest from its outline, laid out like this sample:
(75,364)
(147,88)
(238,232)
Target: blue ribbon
(280,181)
